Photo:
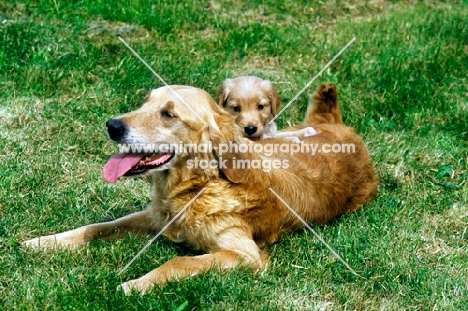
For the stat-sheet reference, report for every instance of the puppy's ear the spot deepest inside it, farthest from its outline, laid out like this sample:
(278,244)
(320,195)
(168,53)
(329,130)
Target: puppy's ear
(223,93)
(273,96)
(226,137)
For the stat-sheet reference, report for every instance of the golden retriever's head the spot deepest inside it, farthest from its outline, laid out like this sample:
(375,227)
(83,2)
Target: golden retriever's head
(160,135)
(253,101)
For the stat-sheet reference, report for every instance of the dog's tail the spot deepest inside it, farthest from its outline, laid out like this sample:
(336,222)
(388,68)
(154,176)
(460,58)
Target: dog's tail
(323,106)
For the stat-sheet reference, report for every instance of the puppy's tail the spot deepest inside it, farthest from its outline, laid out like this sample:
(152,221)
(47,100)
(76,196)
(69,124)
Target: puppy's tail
(323,106)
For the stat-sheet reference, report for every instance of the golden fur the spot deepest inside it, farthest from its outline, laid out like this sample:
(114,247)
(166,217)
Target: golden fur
(231,220)
(253,102)
(323,106)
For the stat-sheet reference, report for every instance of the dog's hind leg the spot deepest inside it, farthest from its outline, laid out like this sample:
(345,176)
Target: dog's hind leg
(323,106)
(139,223)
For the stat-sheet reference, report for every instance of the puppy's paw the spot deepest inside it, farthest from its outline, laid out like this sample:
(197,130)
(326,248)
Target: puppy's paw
(141,286)
(309,131)
(292,139)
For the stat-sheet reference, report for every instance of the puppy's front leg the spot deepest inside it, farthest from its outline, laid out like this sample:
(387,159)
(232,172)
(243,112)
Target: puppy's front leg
(137,223)
(302,133)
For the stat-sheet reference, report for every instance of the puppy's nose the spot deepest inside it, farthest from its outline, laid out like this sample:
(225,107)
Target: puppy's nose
(250,130)
(116,129)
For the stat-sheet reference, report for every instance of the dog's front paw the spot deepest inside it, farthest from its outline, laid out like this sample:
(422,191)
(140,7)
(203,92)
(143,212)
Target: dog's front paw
(141,286)
(49,242)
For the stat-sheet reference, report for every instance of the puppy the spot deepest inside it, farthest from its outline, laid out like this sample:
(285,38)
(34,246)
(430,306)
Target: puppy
(254,102)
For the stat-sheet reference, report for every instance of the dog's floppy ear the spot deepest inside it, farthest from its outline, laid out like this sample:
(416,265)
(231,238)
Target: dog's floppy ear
(223,93)
(273,95)
(226,136)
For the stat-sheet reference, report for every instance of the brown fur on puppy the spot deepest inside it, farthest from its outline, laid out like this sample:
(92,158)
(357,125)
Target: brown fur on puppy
(253,102)
(235,214)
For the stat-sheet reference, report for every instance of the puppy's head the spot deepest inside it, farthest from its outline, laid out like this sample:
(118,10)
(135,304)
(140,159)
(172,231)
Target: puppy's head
(163,132)
(253,102)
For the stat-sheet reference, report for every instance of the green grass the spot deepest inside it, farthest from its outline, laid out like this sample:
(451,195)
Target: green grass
(402,85)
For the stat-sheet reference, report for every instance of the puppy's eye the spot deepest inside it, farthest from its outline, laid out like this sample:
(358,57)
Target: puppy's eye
(167,114)
(236,109)
(260,107)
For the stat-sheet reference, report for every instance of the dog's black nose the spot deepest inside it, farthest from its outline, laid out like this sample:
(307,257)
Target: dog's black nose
(250,130)
(116,129)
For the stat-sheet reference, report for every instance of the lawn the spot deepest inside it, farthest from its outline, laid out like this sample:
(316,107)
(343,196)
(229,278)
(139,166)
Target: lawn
(403,85)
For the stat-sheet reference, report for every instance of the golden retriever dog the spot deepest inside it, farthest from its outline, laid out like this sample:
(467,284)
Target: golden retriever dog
(323,106)
(233,212)
(255,102)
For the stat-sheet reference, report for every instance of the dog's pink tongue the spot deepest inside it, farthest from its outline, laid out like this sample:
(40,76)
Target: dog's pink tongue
(119,164)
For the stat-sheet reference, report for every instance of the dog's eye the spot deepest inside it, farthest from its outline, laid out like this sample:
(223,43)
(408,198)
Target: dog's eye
(236,109)
(167,114)
(260,107)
